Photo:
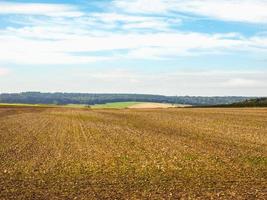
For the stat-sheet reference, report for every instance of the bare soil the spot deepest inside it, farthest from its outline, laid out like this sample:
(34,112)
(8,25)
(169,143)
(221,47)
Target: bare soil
(185,153)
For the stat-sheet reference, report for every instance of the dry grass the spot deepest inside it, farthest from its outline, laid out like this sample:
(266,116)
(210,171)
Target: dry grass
(153,105)
(50,153)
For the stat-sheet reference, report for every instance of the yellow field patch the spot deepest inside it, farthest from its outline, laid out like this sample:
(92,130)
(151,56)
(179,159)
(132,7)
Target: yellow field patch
(155,105)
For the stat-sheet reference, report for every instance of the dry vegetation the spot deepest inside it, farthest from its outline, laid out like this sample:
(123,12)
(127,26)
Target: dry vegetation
(61,153)
(153,105)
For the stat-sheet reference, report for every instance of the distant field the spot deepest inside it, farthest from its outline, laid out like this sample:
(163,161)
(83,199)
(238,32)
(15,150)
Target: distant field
(117,105)
(66,153)
(156,105)
(24,105)
(121,105)
(43,105)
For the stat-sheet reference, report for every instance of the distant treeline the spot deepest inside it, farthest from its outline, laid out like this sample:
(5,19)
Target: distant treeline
(257,102)
(91,99)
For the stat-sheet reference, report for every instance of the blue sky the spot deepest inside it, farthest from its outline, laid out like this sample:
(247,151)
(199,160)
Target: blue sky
(171,47)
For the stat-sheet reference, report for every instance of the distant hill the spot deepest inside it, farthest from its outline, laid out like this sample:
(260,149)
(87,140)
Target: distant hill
(91,99)
(254,102)
(258,102)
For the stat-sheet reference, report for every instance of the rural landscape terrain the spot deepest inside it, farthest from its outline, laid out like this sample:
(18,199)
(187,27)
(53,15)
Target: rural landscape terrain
(170,153)
(133,100)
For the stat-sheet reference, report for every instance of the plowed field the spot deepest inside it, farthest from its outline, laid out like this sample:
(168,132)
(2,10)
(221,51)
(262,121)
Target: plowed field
(63,153)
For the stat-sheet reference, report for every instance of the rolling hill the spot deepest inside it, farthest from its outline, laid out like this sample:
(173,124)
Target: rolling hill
(259,102)
(92,99)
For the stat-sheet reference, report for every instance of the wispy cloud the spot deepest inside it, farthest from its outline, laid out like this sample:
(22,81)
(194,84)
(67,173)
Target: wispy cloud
(51,45)
(242,82)
(52,10)
(58,39)
(136,34)
(252,11)
(178,82)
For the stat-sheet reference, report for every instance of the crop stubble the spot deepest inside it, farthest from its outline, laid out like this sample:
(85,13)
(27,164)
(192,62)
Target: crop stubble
(62,153)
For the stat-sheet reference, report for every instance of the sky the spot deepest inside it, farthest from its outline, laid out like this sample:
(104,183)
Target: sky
(169,47)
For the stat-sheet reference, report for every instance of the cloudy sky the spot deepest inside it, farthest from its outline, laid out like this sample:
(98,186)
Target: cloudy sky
(171,47)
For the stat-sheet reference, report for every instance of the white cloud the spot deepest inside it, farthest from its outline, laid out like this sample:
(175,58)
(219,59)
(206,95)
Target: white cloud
(144,6)
(129,21)
(242,82)
(63,40)
(114,17)
(133,80)
(68,46)
(253,11)
(177,82)
(152,25)
(52,10)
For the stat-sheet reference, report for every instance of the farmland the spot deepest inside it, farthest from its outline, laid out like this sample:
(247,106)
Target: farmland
(122,105)
(188,153)
(116,105)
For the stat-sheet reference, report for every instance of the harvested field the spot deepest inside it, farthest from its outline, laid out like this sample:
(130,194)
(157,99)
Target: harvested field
(64,153)
(153,105)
